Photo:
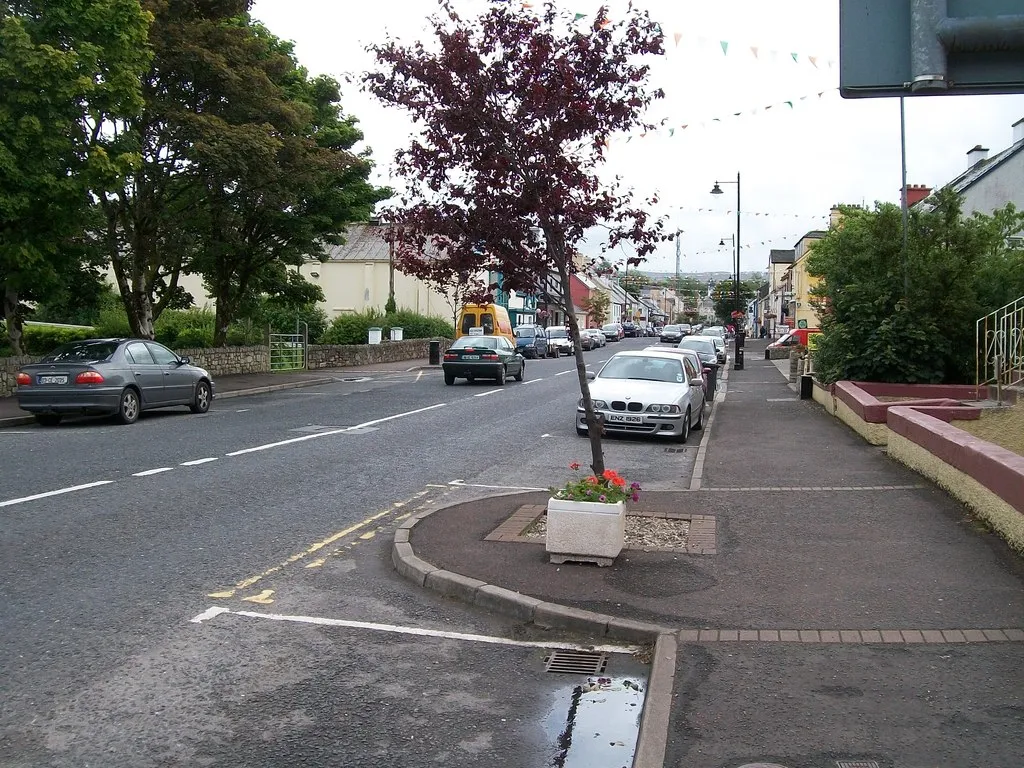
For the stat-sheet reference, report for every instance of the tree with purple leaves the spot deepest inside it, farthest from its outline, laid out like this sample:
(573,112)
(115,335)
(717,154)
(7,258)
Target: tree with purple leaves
(515,110)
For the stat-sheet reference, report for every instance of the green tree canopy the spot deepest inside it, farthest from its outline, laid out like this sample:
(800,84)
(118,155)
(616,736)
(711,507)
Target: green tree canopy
(910,317)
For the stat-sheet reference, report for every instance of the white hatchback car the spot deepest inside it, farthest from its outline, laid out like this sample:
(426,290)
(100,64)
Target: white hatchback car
(646,392)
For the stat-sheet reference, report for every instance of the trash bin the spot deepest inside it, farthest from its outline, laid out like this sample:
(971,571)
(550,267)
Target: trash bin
(738,363)
(806,386)
(374,335)
(435,353)
(396,334)
(741,338)
(709,396)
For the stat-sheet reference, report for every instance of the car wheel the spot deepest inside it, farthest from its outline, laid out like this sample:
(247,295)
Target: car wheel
(48,419)
(700,417)
(201,403)
(449,378)
(130,407)
(500,378)
(522,371)
(685,434)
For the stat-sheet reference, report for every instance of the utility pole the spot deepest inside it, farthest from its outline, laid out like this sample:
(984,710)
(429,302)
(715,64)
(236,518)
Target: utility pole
(678,232)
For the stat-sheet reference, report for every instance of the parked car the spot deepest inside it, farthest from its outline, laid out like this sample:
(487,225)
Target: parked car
(482,357)
(694,358)
(804,336)
(672,334)
(613,332)
(532,341)
(703,346)
(598,336)
(121,377)
(719,343)
(630,329)
(713,330)
(646,392)
(559,341)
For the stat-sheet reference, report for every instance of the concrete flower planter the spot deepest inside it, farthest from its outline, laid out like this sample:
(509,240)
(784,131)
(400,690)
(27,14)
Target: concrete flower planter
(585,531)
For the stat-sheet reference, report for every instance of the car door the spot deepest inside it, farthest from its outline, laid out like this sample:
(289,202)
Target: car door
(178,381)
(147,374)
(507,353)
(691,374)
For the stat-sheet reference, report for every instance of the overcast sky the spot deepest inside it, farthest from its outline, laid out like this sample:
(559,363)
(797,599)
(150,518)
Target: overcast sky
(809,150)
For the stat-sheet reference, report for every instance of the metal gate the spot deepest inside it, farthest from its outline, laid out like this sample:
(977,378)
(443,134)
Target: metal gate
(288,350)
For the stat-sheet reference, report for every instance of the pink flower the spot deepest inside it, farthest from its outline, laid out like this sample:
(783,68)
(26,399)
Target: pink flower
(574,466)
(636,497)
(602,498)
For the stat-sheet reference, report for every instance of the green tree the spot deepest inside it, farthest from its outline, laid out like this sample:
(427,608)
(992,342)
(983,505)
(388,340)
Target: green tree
(67,68)
(909,316)
(597,305)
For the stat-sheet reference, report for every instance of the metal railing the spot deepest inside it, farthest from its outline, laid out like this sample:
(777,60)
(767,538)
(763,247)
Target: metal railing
(288,350)
(999,346)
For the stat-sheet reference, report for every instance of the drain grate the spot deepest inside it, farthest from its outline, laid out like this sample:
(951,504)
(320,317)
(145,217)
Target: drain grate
(856,764)
(576,662)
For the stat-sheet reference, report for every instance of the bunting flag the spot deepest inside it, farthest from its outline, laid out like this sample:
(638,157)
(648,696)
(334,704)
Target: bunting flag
(775,214)
(728,247)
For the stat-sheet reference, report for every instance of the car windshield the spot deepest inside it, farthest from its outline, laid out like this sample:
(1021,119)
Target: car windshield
(556,333)
(643,368)
(706,346)
(475,342)
(522,333)
(82,352)
(611,327)
(670,328)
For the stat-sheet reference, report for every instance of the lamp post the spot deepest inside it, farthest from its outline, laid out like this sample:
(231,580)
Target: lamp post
(738,337)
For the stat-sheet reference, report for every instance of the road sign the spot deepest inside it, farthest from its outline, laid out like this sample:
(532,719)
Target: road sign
(930,47)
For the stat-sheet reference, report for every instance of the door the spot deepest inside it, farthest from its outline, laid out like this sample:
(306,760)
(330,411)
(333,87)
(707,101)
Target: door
(178,381)
(147,374)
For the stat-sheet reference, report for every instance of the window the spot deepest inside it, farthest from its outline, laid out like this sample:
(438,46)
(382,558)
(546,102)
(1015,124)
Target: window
(161,354)
(487,321)
(475,342)
(82,352)
(138,354)
(468,321)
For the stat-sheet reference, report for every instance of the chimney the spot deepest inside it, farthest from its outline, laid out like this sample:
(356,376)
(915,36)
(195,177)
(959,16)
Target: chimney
(977,155)
(835,217)
(916,193)
(1018,131)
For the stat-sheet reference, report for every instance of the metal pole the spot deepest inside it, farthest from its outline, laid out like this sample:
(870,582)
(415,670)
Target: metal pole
(678,232)
(736,281)
(903,193)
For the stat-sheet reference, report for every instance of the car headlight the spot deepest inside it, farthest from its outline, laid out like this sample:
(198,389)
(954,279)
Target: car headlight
(599,405)
(660,408)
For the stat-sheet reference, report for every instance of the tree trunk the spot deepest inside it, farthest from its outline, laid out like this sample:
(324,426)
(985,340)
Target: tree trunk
(595,425)
(13,319)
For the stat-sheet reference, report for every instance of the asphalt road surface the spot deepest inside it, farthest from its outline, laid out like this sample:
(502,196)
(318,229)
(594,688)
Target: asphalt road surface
(217,589)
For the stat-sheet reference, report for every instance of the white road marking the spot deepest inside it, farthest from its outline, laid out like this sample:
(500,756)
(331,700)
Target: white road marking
(209,613)
(10,432)
(485,394)
(330,432)
(533,381)
(564,372)
(545,436)
(148,472)
(242,410)
(419,375)
(463,484)
(417,631)
(58,492)
(197,462)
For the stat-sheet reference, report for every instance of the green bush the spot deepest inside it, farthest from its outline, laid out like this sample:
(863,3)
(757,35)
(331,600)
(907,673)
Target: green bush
(193,338)
(173,322)
(113,323)
(353,328)
(43,339)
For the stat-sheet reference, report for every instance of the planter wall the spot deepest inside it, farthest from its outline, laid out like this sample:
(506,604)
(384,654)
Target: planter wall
(582,531)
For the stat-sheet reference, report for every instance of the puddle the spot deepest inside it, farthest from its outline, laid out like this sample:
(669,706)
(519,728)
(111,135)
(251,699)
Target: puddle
(594,721)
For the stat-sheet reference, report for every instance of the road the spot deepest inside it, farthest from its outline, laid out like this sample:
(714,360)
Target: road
(119,545)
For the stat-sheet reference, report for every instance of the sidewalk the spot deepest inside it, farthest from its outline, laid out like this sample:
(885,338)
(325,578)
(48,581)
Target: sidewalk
(243,384)
(817,540)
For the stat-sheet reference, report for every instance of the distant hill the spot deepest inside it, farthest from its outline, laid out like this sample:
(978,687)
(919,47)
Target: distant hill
(703,277)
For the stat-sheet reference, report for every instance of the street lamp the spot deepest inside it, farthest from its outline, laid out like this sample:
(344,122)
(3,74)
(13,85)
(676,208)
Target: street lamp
(738,338)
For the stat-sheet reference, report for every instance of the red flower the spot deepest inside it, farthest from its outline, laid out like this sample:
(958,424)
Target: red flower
(574,466)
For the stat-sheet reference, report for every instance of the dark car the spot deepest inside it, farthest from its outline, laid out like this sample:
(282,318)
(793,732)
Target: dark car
(630,329)
(672,334)
(532,341)
(482,357)
(111,376)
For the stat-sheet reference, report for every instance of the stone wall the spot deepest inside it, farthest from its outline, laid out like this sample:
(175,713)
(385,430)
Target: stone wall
(341,355)
(223,361)
(9,367)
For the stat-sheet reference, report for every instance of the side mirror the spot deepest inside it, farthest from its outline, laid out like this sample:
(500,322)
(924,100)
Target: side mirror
(591,375)
(696,382)
(185,360)
(707,370)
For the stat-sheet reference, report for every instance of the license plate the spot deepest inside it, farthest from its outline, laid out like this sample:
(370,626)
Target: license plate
(53,379)
(625,418)
(471,357)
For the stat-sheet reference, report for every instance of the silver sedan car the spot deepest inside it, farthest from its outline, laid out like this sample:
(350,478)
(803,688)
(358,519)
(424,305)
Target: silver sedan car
(646,392)
(121,377)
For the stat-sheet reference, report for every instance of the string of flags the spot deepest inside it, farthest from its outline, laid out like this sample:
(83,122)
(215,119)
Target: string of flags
(775,214)
(789,239)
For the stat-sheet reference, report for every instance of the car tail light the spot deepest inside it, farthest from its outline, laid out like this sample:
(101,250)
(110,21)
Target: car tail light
(22,379)
(89,377)
(450,356)
(489,357)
